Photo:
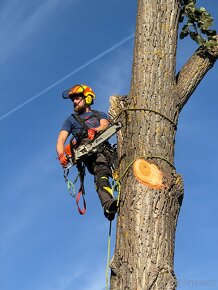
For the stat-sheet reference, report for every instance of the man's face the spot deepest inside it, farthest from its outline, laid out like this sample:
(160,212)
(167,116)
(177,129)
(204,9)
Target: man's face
(79,103)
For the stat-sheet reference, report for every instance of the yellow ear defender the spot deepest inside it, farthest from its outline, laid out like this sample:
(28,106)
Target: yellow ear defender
(89,100)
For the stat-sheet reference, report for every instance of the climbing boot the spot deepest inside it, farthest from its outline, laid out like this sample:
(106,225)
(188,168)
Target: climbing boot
(110,209)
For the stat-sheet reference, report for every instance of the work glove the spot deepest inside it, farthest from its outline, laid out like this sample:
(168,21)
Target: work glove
(63,159)
(91,133)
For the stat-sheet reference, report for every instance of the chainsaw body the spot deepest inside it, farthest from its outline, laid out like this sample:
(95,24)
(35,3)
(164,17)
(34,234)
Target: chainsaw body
(88,148)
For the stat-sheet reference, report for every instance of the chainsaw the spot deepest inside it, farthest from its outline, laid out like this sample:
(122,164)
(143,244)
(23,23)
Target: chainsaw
(84,150)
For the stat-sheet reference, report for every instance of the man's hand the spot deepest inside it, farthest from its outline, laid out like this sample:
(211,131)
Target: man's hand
(91,133)
(63,159)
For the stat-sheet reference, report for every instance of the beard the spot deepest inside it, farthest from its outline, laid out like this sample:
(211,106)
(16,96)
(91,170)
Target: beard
(79,108)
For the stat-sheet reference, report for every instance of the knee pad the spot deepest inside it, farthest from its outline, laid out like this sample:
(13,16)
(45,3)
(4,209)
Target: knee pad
(103,184)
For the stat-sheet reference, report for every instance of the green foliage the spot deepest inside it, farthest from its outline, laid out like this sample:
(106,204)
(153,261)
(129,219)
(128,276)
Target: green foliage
(198,24)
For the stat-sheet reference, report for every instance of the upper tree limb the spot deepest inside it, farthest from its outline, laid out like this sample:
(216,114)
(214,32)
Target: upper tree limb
(193,72)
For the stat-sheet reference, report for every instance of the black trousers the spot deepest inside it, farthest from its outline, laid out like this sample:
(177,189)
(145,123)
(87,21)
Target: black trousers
(99,166)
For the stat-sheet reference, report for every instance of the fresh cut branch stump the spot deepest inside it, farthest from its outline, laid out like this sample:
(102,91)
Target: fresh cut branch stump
(148,174)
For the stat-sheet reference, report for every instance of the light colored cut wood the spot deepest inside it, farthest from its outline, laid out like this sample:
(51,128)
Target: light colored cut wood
(148,174)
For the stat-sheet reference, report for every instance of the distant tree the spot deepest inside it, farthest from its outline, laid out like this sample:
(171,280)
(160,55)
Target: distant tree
(151,189)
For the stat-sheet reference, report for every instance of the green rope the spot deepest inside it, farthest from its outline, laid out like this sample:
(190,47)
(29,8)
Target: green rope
(108,256)
(145,109)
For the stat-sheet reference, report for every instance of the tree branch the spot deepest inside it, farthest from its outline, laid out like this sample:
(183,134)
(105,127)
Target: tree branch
(193,72)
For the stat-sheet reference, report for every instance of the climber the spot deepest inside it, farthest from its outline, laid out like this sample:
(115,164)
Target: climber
(86,123)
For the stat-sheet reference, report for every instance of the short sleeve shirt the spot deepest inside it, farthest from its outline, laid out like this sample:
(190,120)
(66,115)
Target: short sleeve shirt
(73,127)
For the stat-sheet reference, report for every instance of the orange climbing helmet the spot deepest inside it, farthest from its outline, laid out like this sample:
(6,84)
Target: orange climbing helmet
(84,90)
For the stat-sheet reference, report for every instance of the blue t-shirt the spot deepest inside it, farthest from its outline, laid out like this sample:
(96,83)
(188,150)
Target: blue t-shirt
(73,127)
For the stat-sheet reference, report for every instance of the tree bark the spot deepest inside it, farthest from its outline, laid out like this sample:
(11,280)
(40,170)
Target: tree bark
(147,217)
(192,73)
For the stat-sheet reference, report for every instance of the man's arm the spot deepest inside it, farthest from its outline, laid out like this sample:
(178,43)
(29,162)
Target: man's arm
(104,124)
(63,135)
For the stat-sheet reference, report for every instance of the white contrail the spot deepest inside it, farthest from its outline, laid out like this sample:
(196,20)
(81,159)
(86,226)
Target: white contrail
(67,76)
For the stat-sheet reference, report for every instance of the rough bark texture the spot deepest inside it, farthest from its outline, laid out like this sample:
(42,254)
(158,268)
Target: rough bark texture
(147,218)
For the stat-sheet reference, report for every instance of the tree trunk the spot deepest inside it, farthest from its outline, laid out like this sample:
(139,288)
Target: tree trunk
(147,217)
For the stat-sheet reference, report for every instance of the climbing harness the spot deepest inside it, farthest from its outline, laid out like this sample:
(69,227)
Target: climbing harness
(76,156)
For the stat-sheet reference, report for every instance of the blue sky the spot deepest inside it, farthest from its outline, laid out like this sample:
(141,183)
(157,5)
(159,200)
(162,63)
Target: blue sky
(46,47)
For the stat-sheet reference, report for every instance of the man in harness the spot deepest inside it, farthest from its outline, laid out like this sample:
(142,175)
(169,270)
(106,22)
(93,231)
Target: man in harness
(87,123)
